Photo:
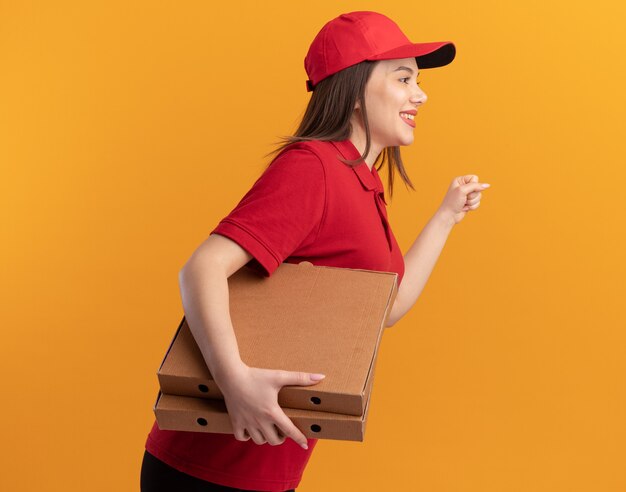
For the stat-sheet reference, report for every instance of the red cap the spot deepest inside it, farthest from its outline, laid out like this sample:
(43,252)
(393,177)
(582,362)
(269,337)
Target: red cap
(358,36)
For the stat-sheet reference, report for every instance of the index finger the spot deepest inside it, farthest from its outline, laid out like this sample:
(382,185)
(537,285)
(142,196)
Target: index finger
(288,428)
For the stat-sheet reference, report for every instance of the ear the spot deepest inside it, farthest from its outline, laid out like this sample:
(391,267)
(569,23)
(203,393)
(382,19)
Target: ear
(357,106)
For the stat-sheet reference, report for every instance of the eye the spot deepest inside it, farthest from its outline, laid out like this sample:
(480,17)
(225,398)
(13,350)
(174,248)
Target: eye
(406,80)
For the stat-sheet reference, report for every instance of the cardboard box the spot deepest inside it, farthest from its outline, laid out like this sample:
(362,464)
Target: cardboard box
(303,318)
(183,413)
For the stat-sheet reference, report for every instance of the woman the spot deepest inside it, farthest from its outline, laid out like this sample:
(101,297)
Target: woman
(320,200)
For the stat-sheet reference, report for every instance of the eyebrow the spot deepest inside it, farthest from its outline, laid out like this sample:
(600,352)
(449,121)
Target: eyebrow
(410,70)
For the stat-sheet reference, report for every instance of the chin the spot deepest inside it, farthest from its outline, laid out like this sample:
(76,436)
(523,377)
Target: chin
(404,139)
(405,142)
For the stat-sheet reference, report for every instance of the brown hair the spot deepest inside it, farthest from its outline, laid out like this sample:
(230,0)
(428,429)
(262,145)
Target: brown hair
(327,117)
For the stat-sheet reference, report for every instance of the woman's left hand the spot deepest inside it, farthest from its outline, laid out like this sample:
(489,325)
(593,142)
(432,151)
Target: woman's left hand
(463,195)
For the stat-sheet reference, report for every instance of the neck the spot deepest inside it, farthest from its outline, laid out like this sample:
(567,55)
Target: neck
(358,140)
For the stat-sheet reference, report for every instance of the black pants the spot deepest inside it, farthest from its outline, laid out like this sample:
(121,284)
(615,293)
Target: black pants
(157,476)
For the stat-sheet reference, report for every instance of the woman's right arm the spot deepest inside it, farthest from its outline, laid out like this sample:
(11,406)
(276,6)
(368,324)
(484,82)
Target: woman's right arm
(250,394)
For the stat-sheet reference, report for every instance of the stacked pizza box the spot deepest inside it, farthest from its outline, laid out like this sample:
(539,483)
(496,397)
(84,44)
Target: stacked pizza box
(307,318)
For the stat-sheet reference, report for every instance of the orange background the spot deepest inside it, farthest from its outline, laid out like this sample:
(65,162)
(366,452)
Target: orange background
(128,129)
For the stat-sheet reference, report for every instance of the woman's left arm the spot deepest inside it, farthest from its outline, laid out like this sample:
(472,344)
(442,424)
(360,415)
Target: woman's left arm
(462,196)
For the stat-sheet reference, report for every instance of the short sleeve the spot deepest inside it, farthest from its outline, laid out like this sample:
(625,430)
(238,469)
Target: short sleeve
(282,212)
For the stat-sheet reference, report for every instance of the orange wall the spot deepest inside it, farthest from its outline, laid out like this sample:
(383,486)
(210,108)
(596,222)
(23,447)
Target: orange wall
(128,129)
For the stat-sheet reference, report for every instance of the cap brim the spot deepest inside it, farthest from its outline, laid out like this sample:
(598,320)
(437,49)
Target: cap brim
(427,55)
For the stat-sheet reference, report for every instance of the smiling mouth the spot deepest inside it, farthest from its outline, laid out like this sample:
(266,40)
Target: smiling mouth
(408,119)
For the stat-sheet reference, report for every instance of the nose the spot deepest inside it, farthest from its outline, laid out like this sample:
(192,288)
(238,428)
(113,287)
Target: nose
(419,96)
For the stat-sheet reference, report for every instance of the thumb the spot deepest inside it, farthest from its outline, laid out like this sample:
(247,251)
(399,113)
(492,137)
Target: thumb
(288,378)
(469,187)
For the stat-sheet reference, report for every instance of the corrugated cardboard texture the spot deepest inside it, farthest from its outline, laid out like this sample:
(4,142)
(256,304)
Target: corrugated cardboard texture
(183,413)
(302,318)
(180,413)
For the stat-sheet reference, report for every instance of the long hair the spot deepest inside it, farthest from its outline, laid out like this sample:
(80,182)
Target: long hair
(327,117)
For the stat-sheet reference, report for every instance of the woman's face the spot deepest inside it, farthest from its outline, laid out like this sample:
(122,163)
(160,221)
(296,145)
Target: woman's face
(392,98)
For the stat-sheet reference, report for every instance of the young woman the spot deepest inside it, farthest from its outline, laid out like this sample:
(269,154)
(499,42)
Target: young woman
(321,200)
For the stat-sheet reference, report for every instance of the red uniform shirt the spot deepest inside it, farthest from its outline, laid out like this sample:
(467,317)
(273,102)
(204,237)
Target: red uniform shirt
(308,205)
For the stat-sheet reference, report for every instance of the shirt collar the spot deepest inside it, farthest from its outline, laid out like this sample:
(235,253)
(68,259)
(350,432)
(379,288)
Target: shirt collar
(369,179)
